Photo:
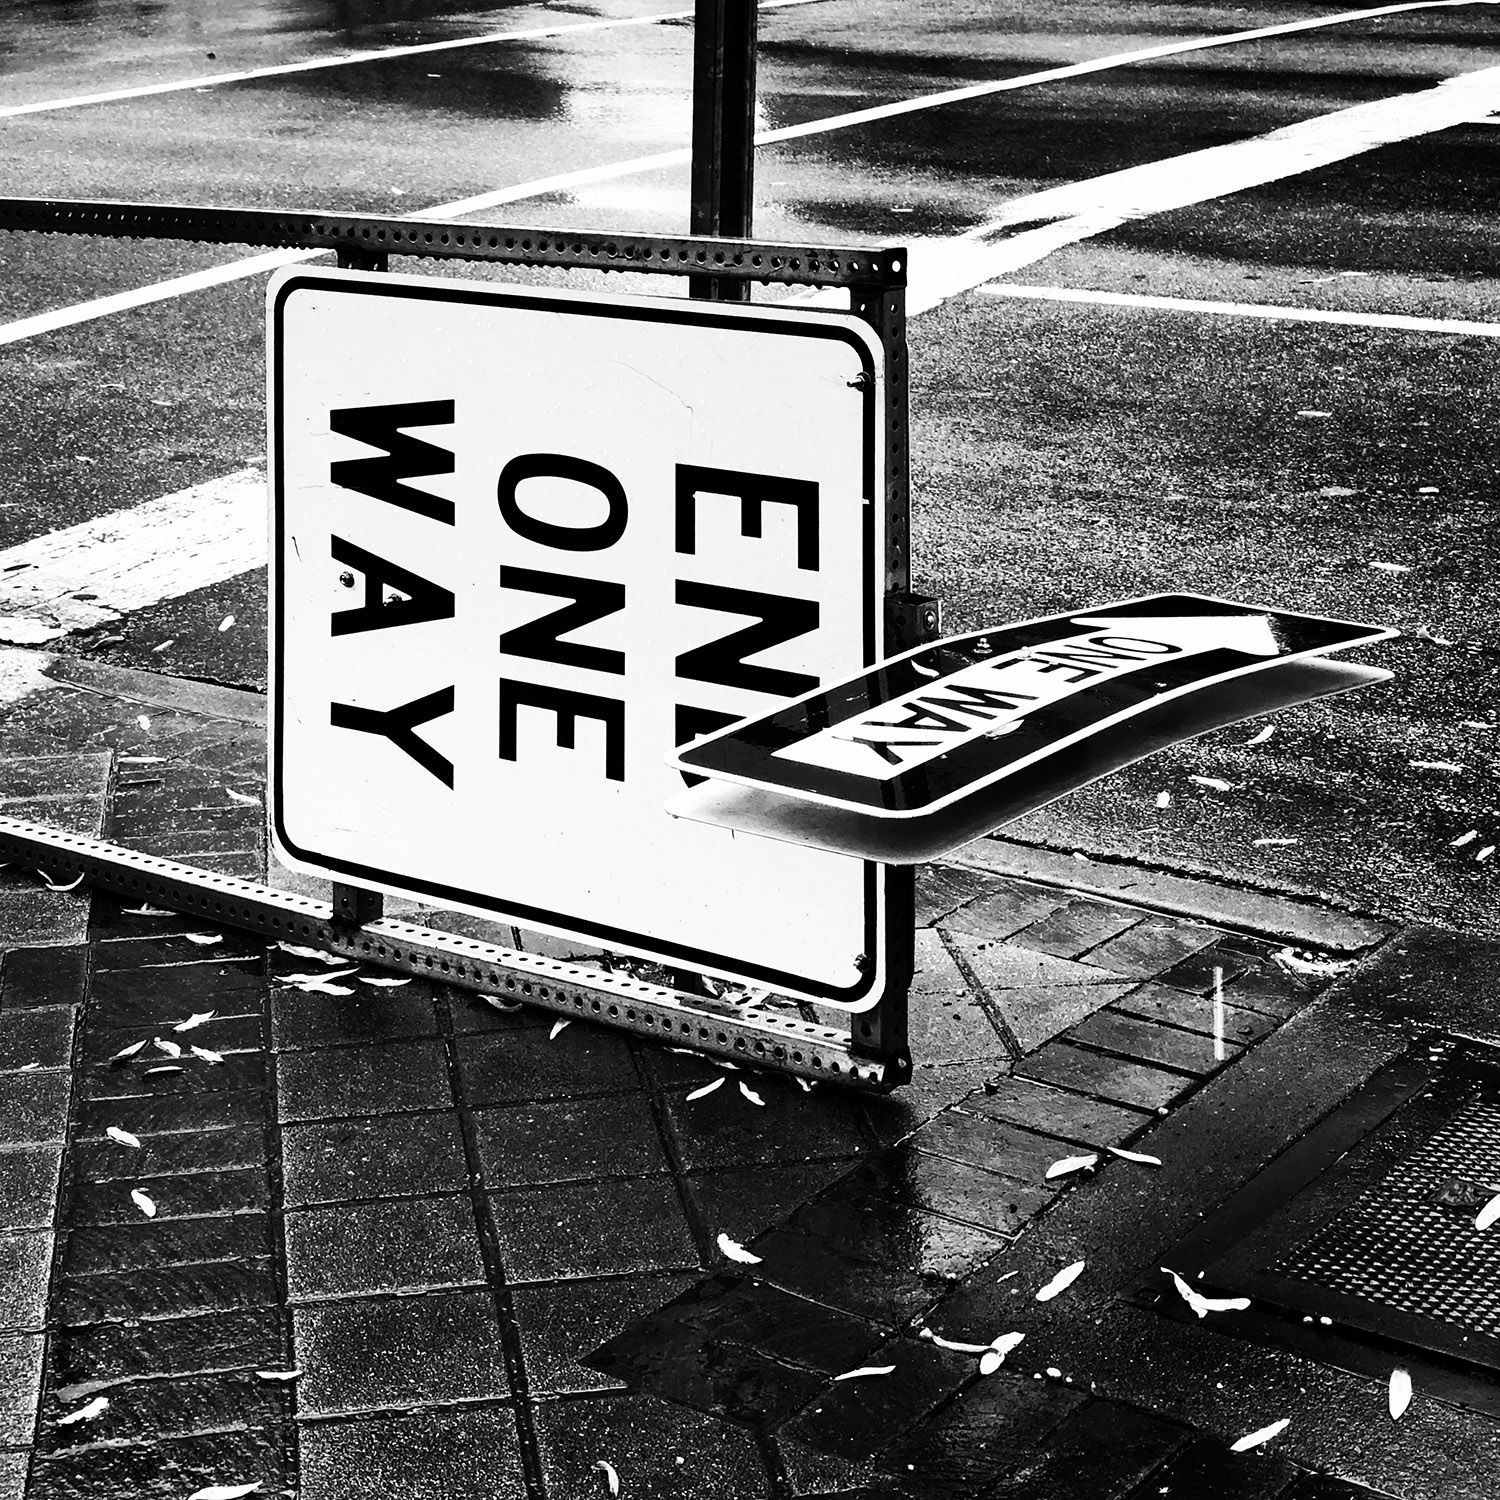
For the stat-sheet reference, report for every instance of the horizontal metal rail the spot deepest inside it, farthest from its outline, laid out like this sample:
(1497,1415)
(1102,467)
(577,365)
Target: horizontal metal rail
(376,235)
(743,1033)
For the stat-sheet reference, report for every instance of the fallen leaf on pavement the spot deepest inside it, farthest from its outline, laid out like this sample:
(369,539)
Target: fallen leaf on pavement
(170,1048)
(1264,1435)
(558,1027)
(235,796)
(1484,854)
(1204,1305)
(505,1007)
(1452,767)
(383,984)
(1213,783)
(1488,1214)
(707,1088)
(142,760)
(865,1370)
(751,1095)
(1400,1393)
(1164,799)
(84,1413)
(224,625)
(204,939)
(278,1374)
(129,1051)
(225,1491)
(194,1021)
(1422,633)
(610,1477)
(1140,1156)
(1323,968)
(207,1055)
(144,721)
(1262,736)
(165,1068)
(143,1202)
(1275,843)
(124,1137)
(953,1344)
(1464,838)
(1390,567)
(147,911)
(317,954)
(52,885)
(163,646)
(736,1251)
(1071,1164)
(1061,1282)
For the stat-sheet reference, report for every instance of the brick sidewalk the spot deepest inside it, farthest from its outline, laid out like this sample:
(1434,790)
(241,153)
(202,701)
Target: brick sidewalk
(492,1250)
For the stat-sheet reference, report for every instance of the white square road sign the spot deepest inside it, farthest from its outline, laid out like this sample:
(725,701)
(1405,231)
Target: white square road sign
(524,542)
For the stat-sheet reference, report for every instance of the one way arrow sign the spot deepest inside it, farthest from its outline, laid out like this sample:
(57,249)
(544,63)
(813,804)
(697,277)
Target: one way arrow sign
(937,746)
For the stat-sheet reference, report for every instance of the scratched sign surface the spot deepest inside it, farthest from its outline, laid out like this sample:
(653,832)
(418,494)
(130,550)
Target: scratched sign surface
(935,725)
(527,541)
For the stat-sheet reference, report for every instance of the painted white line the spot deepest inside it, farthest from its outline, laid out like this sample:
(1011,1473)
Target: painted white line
(1078,211)
(374,54)
(561,182)
(130,559)
(1399,321)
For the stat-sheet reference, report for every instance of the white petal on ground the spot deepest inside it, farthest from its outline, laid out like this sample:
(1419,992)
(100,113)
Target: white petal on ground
(1322,968)
(194,1021)
(1204,1305)
(509,1007)
(383,984)
(610,1477)
(1464,838)
(235,796)
(558,1027)
(129,1051)
(314,978)
(1006,1343)
(1488,1214)
(1452,767)
(1262,736)
(1400,1393)
(204,939)
(170,1048)
(84,1413)
(1311,413)
(142,760)
(1071,1164)
(225,1491)
(165,1068)
(736,1251)
(865,1370)
(333,960)
(208,1055)
(953,1344)
(226,623)
(143,1202)
(1213,783)
(803,1084)
(147,911)
(170,641)
(1164,799)
(990,1361)
(278,1374)
(323,987)
(144,721)
(124,1137)
(1484,854)
(751,1095)
(53,885)
(707,1088)
(1257,1438)
(1390,567)
(1061,1282)
(1275,843)
(1140,1156)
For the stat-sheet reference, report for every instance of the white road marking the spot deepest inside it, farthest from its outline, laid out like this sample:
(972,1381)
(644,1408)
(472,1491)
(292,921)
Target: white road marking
(373,54)
(178,286)
(1399,321)
(130,559)
(1078,211)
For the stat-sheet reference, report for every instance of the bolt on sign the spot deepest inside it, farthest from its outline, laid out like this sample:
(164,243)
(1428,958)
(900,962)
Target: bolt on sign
(525,542)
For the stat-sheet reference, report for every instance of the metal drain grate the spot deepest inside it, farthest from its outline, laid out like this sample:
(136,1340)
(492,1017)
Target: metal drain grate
(1410,1242)
(1358,1241)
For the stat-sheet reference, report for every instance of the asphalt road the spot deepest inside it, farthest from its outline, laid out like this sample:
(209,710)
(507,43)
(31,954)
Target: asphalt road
(1064,453)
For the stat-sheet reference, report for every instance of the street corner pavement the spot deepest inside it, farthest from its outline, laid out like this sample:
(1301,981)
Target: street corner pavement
(270,1222)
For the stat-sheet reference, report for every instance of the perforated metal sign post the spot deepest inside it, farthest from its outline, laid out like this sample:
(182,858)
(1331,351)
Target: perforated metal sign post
(525,541)
(553,640)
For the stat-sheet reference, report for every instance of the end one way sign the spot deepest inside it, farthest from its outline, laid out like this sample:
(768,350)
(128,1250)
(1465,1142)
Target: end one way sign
(525,542)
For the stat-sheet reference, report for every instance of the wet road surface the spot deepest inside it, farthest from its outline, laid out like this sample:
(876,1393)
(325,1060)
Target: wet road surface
(1064,454)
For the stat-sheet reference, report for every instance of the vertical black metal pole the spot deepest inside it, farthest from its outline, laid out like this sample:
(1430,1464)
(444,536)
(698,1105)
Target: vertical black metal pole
(723,187)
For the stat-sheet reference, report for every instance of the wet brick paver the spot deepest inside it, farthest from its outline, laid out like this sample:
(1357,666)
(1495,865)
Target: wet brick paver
(492,1252)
